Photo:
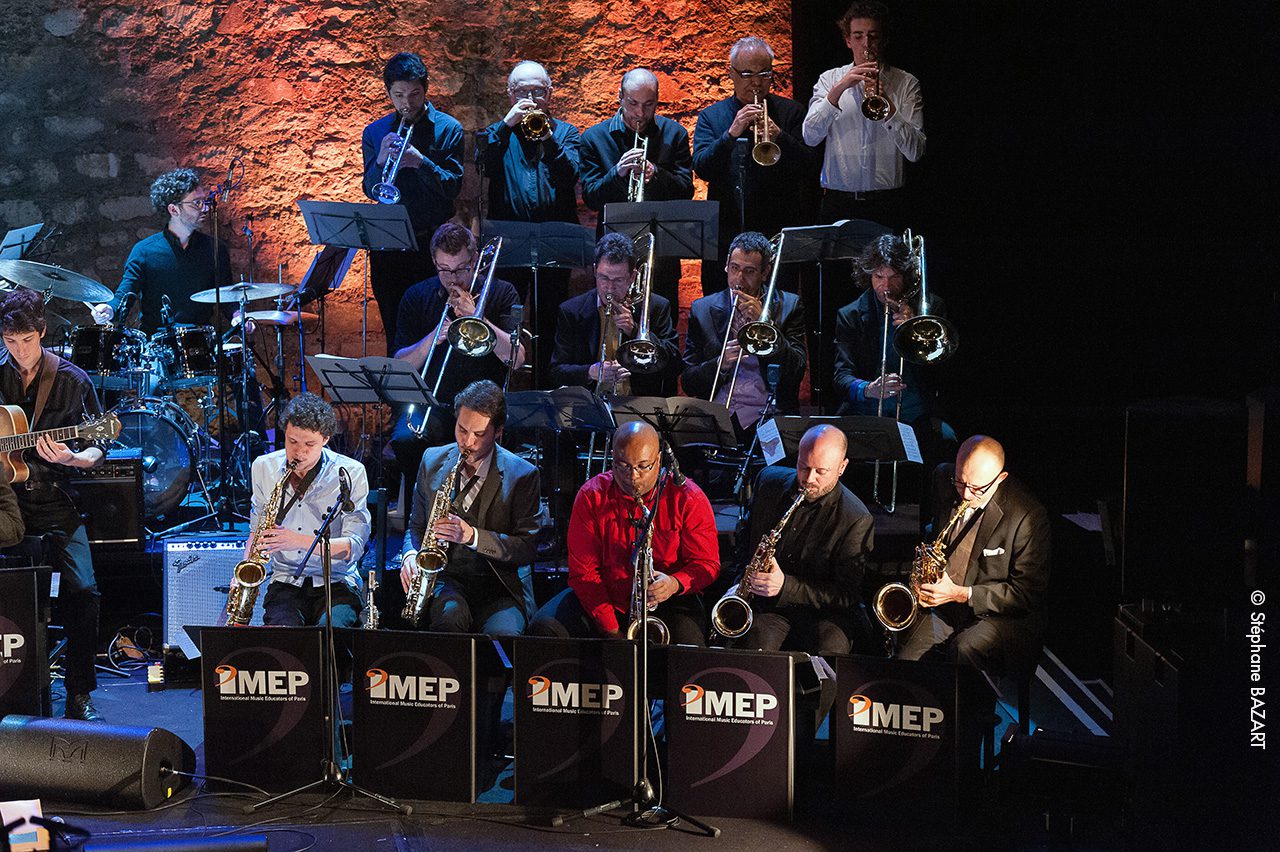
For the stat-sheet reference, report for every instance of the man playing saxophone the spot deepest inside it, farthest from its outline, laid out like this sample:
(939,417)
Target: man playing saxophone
(487,533)
(320,478)
(608,519)
(806,597)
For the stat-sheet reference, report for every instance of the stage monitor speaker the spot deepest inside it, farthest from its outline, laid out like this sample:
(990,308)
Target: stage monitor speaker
(197,576)
(72,761)
(110,496)
(1184,485)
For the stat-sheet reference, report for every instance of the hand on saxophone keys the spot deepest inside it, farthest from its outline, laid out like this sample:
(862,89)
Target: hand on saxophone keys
(661,587)
(454,529)
(943,591)
(279,538)
(407,569)
(767,584)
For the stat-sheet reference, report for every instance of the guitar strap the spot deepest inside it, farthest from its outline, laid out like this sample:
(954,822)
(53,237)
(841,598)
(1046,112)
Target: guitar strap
(49,371)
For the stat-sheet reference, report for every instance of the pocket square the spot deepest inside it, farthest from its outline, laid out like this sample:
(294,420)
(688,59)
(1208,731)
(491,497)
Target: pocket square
(999,551)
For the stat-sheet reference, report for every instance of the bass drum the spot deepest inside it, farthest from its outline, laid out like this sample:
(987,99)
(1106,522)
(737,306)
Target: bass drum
(168,443)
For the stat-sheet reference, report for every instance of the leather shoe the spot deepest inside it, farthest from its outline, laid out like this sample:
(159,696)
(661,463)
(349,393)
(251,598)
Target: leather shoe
(81,707)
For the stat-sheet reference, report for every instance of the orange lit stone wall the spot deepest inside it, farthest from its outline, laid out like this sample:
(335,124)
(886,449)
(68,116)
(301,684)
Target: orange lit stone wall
(102,96)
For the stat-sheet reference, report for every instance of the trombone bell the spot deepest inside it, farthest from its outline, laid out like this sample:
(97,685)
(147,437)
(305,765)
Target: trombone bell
(761,339)
(472,336)
(926,339)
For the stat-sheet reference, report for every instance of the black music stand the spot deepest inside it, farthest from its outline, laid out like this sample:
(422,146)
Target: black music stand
(685,229)
(539,245)
(841,240)
(682,421)
(871,438)
(327,271)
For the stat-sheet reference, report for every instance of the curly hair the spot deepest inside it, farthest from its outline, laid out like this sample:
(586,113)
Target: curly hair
(483,397)
(872,9)
(21,311)
(170,188)
(310,412)
(407,67)
(452,238)
(887,250)
(616,248)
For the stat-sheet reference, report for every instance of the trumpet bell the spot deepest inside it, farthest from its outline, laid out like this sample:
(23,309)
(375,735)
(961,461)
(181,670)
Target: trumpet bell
(766,153)
(895,606)
(535,126)
(761,339)
(387,193)
(641,356)
(926,339)
(472,336)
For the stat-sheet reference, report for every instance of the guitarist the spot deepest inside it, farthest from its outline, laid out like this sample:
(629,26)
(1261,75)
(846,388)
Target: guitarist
(55,393)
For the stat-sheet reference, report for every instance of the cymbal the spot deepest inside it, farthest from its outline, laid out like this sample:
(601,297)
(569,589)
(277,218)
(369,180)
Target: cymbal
(62,283)
(282,317)
(251,292)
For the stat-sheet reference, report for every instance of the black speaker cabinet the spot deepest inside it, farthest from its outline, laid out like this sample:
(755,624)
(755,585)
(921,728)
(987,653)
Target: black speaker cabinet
(1184,485)
(110,497)
(72,761)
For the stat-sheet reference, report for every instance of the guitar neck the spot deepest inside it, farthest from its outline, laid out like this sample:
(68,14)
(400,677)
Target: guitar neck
(27,440)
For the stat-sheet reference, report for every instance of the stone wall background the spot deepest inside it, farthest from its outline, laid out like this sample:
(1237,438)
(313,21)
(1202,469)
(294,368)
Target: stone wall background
(102,96)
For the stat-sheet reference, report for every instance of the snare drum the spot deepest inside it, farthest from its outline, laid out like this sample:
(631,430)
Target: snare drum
(183,354)
(106,350)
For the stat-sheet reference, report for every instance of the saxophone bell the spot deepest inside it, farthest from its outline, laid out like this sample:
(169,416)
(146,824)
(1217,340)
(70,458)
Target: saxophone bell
(433,556)
(251,572)
(897,605)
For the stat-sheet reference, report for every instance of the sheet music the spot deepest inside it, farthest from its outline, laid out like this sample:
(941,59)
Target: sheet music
(771,441)
(910,444)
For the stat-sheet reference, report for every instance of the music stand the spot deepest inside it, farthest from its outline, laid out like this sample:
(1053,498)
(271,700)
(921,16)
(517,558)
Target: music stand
(539,245)
(685,229)
(327,271)
(18,240)
(841,240)
(871,438)
(682,420)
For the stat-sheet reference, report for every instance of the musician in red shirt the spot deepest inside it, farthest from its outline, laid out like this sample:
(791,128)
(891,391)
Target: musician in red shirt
(606,521)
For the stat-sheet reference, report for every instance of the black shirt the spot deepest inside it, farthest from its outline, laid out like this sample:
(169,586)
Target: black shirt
(428,191)
(605,143)
(71,401)
(159,266)
(531,181)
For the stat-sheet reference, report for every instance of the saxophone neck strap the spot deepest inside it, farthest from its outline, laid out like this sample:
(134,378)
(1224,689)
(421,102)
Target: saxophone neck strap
(301,490)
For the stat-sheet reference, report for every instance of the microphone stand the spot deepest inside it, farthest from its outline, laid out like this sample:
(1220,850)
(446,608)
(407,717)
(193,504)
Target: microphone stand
(518,310)
(331,779)
(771,373)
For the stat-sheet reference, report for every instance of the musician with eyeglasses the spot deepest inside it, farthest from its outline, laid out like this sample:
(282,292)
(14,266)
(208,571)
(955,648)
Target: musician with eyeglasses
(871,116)
(427,311)
(607,522)
(637,148)
(713,359)
(428,179)
(752,196)
(988,609)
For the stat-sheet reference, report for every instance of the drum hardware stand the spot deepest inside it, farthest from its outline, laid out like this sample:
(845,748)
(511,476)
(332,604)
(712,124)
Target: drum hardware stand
(225,509)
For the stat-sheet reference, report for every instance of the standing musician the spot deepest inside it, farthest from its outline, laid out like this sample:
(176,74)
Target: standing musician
(490,529)
(584,356)
(174,263)
(321,477)
(426,312)
(54,393)
(988,608)
(428,179)
(807,597)
(752,196)
(711,350)
(607,519)
(862,167)
(615,159)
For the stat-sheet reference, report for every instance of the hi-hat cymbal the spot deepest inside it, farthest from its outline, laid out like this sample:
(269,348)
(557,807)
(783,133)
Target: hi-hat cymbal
(61,283)
(248,289)
(282,317)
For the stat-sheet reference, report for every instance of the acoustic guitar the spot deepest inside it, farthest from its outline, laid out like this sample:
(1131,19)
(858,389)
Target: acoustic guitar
(15,438)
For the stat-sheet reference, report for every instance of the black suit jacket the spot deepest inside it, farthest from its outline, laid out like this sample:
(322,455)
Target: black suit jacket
(505,514)
(1009,564)
(708,319)
(578,345)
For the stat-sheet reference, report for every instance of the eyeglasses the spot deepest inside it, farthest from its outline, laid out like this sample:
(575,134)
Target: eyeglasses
(742,270)
(753,75)
(613,282)
(198,204)
(961,485)
(460,271)
(533,93)
(629,469)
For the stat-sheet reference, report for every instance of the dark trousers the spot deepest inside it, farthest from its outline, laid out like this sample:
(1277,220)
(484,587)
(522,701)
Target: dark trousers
(820,632)
(475,605)
(994,645)
(48,510)
(391,273)
(286,605)
(563,617)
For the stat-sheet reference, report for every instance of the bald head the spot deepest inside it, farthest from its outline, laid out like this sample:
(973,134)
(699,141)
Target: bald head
(639,78)
(979,464)
(528,71)
(821,460)
(636,458)
(637,434)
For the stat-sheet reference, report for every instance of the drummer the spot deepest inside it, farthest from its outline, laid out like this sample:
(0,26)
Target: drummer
(176,262)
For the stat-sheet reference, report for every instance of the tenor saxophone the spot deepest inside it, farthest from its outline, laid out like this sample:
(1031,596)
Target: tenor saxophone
(732,616)
(897,604)
(658,632)
(433,555)
(251,572)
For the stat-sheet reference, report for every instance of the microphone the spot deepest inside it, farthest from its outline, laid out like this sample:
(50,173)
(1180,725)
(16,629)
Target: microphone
(344,486)
(771,375)
(676,475)
(226,187)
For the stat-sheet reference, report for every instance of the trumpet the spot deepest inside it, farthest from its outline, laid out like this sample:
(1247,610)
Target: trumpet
(897,604)
(385,190)
(763,338)
(641,354)
(875,105)
(764,150)
(635,180)
(535,126)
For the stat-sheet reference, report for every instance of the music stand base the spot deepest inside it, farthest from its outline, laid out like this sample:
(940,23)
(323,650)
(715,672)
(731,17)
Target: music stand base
(332,782)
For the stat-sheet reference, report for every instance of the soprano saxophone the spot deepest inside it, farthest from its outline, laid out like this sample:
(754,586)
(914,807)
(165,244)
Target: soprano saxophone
(732,616)
(433,555)
(251,572)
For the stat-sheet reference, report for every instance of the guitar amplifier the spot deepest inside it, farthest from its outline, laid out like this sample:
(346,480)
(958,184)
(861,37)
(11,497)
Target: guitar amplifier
(197,576)
(110,498)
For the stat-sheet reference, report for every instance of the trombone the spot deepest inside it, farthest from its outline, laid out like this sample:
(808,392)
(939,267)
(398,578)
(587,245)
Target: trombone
(763,338)
(764,150)
(385,191)
(641,354)
(470,335)
(724,347)
(876,106)
(635,180)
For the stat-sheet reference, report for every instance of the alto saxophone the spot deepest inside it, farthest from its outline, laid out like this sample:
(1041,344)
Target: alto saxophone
(433,555)
(731,617)
(251,572)
(658,633)
(897,604)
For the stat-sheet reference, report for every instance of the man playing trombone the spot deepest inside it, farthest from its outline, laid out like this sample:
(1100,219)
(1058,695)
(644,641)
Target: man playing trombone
(427,311)
(428,177)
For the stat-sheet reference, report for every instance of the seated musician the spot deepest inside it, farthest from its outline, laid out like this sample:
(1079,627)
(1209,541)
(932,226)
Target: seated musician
(580,356)
(807,596)
(710,361)
(295,595)
(607,519)
(427,311)
(488,529)
(52,393)
(988,607)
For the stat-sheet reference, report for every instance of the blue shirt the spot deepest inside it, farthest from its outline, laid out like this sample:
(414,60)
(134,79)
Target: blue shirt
(531,181)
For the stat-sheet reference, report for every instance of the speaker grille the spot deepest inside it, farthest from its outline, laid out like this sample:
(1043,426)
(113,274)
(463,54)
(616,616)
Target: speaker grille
(194,571)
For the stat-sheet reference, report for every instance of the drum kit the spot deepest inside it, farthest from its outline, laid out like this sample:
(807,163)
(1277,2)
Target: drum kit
(162,386)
